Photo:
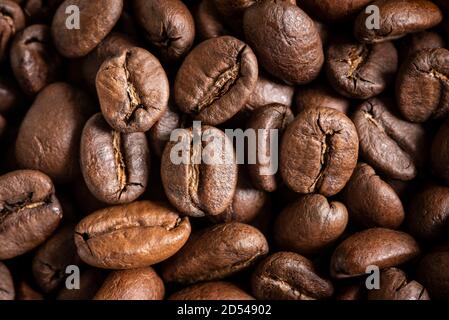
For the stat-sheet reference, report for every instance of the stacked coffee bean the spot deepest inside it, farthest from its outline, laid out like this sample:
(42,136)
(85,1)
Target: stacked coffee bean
(113,185)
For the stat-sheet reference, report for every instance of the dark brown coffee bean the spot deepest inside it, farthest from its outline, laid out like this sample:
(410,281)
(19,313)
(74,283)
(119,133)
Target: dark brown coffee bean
(52,258)
(133,90)
(277,29)
(197,187)
(131,236)
(215,253)
(351,292)
(34,61)
(115,165)
(272,118)
(50,133)
(395,286)
(432,273)
(10,95)
(394,147)
(320,95)
(96,20)
(160,132)
(439,152)
(397,19)
(25,292)
(168,25)
(216,79)
(12,20)
(332,11)
(6,284)
(39,11)
(378,247)
(319,152)
(422,85)
(419,41)
(134,284)
(361,71)
(90,281)
(371,201)
(310,224)
(214,290)
(208,21)
(29,211)
(289,276)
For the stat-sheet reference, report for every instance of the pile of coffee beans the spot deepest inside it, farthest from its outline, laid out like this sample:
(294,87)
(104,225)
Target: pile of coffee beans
(224,149)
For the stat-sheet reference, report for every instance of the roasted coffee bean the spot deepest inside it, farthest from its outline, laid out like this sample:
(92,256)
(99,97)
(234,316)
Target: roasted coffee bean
(266,121)
(320,95)
(378,247)
(203,179)
(10,96)
(130,236)
(134,284)
(371,201)
(289,276)
(29,211)
(419,41)
(397,19)
(310,224)
(40,11)
(319,152)
(25,292)
(208,21)
(53,257)
(216,79)
(12,20)
(75,39)
(361,71)
(432,274)
(168,25)
(160,132)
(422,85)
(215,253)
(90,282)
(50,133)
(6,284)
(395,286)
(439,152)
(214,290)
(133,90)
(394,147)
(332,11)
(351,292)
(34,61)
(277,29)
(115,165)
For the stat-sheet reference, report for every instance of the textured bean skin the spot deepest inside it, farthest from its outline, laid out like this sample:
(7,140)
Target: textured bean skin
(214,290)
(317,96)
(12,20)
(432,274)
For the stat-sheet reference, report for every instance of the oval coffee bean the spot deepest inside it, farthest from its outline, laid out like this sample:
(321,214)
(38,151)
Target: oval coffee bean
(419,41)
(133,90)
(215,253)
(115,165)
(6,284)
(266,121)
(168,25)
(214,290)
(216,79)
(203,180)
(397,19)
(378,247)
(394,147)
(10,95)
(433,275)
(12,20)
(395,286)
(289,276)
(129,236)
(208,22)
(50,133)
(29,211)
(332,11)
(277,29)
(361,71)
(319,95)
(319,152)
(439,152)
(310,224)
(34,61)
(96,20)
(134,284)
(422,85)
(371,201)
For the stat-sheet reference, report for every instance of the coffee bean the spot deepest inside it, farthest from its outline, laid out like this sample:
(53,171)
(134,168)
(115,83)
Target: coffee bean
(208,22)
(12,20)
(29,211)
(419,41)
(378,247)
(276,29)
(215,253)
(6,284)
(90,282)
(134,284)
(332,11)
(432,274)
(160,132)
(25,292)
(351,292)
(39,11)
(317,96)
(319,152)
(214,290)
(289,276)
(130,236)
(439,152)
(10,96)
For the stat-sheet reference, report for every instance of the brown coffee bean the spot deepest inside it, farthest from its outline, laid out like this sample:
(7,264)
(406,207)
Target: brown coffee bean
(90,281)
(439,152)
(10,95)
(208,21)
(130,236)
(310,224)
(12,20)
(351,292)
(332,11)
(378,247)
(134,284)
(289,276)
(419,41)
(319,152)
(6,284)
(29,211)
(160,132)
(319,95)
(214,290)
(433,275)
(215,253)
(25,292)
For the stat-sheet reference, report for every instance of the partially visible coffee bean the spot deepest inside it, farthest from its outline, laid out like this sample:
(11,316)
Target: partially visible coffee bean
(6,284)
(25,292)
(131,236)
(289,276)
(214,290)
(320,95)
(160,132)
(29,211)
(432,274)
(10,95)
(333,11)
(12,20)
(215,253)
(208,21)
(439,152)
(351,292)
(90,281)
(40,11)
(419,41)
